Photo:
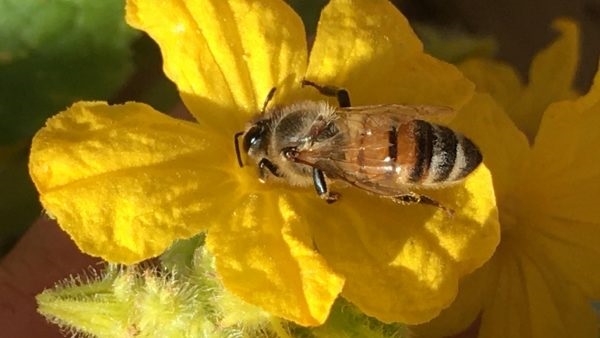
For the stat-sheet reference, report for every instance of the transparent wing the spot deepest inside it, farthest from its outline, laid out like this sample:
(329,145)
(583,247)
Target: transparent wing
(359,152)
(375,180)
(436,114)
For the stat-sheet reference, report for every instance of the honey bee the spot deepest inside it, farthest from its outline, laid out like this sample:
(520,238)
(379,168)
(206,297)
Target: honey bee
(388,150)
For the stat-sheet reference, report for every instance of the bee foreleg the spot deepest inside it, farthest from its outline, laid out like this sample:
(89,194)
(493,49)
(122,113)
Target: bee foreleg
(321,187)
(413,198)
(265,165)
(340,93)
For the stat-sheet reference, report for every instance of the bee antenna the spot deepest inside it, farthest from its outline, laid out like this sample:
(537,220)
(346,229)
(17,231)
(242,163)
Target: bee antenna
(268,99)
(236,142)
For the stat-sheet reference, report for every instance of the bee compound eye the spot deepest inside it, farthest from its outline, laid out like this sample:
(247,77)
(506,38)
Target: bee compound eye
(252,137)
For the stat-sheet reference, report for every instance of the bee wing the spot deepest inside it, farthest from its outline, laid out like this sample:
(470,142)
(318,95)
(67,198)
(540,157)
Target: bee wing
(377,181)
(359,152)
(399,112)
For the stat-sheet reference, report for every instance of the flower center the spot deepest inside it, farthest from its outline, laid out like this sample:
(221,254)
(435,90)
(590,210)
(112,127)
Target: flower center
(508,215)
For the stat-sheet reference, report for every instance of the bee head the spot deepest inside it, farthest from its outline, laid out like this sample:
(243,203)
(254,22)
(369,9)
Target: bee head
(252,141)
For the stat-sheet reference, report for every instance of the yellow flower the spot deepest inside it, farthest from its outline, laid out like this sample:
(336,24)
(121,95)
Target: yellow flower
(545,272)
(126,181)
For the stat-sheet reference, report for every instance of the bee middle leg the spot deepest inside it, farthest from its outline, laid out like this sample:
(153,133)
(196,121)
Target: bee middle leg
(265,166)
(321,187)
(414,198)
(291,153)
(341,94)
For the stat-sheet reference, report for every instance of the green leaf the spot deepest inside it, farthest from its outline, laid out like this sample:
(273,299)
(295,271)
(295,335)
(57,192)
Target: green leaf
(453,45)
(180,256)
(19,205)
(55,52)
(346,321)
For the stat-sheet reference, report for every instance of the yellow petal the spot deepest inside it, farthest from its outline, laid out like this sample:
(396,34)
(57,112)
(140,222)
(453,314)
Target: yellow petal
(518,293)
(572,248)
(124,181)
(495,78)
(465,309)
(530,300)
(225,56)
(565,173)
(265,255)
(564,183)
(550,78)
(504,148)
(369,48)
(402,263)
(546,265)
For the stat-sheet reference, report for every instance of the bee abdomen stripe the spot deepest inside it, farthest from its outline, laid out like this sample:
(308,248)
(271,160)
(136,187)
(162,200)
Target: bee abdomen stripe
(468,158)
(423,136)
(444,154)
(472,155)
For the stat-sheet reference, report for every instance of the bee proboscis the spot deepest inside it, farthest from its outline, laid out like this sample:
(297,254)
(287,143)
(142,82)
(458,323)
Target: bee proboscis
(387,150)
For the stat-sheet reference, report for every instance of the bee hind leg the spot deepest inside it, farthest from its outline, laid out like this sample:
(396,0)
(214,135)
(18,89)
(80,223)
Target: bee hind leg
(321,187)
(413,198)
(341,94)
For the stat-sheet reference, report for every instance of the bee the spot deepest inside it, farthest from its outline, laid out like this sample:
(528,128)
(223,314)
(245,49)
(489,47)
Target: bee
(388,150)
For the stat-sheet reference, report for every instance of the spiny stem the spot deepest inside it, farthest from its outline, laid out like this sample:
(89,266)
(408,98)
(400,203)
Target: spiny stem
(278,328)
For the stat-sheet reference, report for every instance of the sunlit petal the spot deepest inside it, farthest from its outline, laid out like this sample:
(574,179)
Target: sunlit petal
(265,255)
(225,56)
(369,48)
(465,309)
(402,263)
(124,181)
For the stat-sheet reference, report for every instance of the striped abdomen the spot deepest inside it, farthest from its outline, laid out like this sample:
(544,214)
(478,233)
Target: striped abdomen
(413,152)
(431,153)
